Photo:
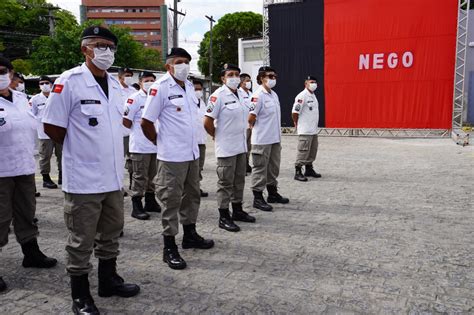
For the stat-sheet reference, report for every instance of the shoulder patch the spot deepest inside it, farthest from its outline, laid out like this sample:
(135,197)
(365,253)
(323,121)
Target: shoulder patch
(58,88)
(130,101)
(254,99)
(213,99)
(298,108)
(153,92)
(210,108)
(300,101)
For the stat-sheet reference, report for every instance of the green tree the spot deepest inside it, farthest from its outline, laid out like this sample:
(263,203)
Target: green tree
(225,35)
(22,66)
(55,54)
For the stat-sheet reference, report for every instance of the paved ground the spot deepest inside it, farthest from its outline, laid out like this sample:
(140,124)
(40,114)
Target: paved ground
(387,230)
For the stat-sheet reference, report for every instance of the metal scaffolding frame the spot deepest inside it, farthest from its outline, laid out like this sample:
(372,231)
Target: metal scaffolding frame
(458,99)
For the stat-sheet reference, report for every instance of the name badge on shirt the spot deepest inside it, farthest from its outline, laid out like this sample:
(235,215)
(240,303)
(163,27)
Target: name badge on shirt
(172,97)
(42,104)
(228,103)
(89,102)
(2,121)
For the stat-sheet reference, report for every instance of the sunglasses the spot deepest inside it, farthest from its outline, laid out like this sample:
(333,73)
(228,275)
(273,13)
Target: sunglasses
(104,46)
(44,83)
(272,76)
(3,70)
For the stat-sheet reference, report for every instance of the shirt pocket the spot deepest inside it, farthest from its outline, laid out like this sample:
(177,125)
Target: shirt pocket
(177,104)
(269,106)
(232,106)
(5,123)
(93,114)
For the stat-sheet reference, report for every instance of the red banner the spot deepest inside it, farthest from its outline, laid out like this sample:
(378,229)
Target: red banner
(389,64)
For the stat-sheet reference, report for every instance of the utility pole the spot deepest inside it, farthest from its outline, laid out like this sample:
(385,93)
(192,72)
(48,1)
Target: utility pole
(175,22)
(211,21)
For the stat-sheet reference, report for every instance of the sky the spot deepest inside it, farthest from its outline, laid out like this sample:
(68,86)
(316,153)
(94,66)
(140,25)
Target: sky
(194,24)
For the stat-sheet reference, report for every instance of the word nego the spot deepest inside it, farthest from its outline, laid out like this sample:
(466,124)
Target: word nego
(382,61)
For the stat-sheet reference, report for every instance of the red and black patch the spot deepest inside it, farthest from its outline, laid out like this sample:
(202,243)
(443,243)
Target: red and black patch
(153,92)
(130,101)
(254,99)
(58,88)
(213,99)
(300,101)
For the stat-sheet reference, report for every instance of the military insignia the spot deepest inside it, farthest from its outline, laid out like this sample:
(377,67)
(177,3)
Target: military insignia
(130,101)
(93,122)
(58,88)
(209,109)
(153,92)
(96,30)
(297,108)
(254,99)
(126,111)
(178,109)
(213,99)
(251,107)
(2,121)
(300,101)
(310,108)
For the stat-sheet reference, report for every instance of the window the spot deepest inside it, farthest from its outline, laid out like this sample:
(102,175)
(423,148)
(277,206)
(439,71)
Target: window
(253,54)
(138,33)
(113,10)
(154,33)
(156,43)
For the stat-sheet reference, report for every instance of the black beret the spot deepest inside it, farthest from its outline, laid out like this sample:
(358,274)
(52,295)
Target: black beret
(146,74)
(228,67)
(125,70)
(244,75)
(6,63)
(266,69)
(99,31)
(45,78)
(178,52)
(311,77)
(18,75)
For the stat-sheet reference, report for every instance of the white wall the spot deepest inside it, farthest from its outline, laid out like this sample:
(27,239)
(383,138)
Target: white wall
(250,67)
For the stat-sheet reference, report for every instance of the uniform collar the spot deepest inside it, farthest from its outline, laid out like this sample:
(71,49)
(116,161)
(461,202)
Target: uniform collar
(229,91)
(142,93)
(89,77)
(265,91)
(307,92)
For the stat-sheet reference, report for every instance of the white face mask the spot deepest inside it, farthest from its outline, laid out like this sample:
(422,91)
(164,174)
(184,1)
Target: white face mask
(21,87)
(45,88)
(181,71)
(232,83)
(103,59)
(5,81)
(248,85)
(199,94)
(128,81)
(312,87)
(271,83)
(147,85)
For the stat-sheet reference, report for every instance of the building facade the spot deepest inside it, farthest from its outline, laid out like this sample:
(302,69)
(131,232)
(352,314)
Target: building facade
(147,19)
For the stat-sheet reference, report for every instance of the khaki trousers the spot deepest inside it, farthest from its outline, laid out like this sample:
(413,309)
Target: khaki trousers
(46,148)
(202,159)
(266,165)
(144,172)
(177,187)
(92,219)
(17,203)
(307,149)
(231,179)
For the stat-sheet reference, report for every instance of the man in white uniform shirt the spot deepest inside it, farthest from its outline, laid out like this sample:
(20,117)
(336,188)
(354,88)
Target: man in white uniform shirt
(17,173)
(84,112)
(246,89)
(142,152)
(226,122)
(305,114)
(202,135)
(172,102)
(46,145)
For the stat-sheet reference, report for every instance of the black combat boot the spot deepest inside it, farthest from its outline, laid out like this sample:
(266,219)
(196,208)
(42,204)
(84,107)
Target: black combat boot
(259,202)
(34,257)
(138,212)
(191,239)
(171,255)
(310,172)
(82,301)
(151,205)
(274,196)
(299,174)
(60,177)
(48,182)
(238,214)
(204,194)
(225,221)
(110,283)
(3,285)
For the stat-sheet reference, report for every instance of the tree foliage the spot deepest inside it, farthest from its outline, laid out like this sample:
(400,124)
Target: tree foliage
(225,35)
(22,66)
